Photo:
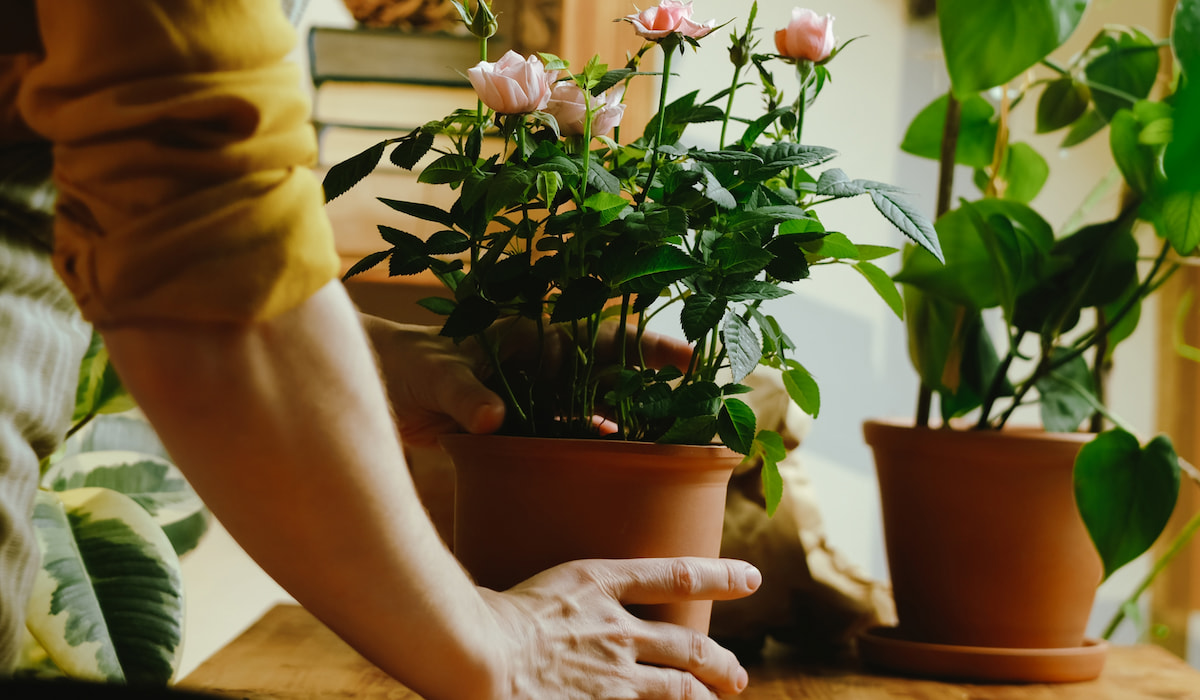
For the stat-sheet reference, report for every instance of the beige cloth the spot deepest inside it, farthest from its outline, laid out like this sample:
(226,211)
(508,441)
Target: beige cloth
(811,597)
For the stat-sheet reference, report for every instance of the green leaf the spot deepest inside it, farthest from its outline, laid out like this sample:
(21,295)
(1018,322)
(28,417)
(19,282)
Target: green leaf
(548,184)
(470,316)
(906,217)
(1125,72)
(883,285)
(438,305)
(116,432)
(661,260)
(1185,36)
(690,430)
(448,169)
(607,204)
(1180,221)
(1087,126)
(151,481)
(1062,103)
(754,290)
(427,212)
(1138,163)
(989,43)
(1125,493)
(412,149)
(1067,396)
(369,261)
(701,313)
(769,447)
(835,183)
(761,124)
(107,604)
(977,132)
(736,425)
(742,345)
(351,171)
(582,298)
(1025,172)
(834,245)
(447,243)
(802,388)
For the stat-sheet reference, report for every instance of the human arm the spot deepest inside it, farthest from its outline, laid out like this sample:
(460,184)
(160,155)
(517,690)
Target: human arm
(308,475)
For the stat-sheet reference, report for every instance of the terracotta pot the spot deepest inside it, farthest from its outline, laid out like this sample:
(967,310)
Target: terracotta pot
(523,505)
(984,542)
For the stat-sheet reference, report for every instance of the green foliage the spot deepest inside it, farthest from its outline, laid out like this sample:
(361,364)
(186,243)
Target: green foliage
(562,231)
(989,43)
(1126,493)
(1059,302)
(113,515)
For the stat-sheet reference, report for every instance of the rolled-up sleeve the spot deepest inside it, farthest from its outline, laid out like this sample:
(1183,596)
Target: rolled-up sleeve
(182,148)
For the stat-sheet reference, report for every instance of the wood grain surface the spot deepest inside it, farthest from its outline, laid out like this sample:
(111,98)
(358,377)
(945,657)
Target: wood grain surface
(289,655)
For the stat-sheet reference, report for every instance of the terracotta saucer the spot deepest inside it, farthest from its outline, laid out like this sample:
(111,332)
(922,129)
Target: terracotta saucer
(885,648)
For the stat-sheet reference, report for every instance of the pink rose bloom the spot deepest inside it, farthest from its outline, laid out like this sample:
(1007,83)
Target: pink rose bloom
(807,37)
(569,109)
(512,85)
(670,16)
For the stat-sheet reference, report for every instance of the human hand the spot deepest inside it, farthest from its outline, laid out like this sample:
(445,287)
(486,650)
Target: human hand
(436,386)
(566,634)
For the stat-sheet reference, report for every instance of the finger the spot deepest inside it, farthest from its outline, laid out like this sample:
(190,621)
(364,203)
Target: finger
(464,398)
(673,646)
(655,581)
(661,350)
(655,683)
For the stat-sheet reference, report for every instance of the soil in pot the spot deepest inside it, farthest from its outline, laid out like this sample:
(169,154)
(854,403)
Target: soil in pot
(523,505)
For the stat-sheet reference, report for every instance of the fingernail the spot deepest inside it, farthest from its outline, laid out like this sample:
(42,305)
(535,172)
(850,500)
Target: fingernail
(753,578)
(743,679)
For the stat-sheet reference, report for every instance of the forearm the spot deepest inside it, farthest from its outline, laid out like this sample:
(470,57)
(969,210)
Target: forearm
(283,429)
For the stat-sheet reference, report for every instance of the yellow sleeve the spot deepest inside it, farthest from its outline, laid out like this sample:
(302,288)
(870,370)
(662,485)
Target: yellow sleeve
(182,153)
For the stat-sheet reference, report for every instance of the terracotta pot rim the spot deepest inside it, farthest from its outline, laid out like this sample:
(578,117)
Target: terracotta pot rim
(897,427)
(504,442)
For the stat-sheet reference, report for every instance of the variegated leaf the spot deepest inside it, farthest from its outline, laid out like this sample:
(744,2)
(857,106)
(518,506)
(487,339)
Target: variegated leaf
(107,603)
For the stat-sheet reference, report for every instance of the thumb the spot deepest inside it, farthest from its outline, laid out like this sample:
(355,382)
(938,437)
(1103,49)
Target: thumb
(471,404)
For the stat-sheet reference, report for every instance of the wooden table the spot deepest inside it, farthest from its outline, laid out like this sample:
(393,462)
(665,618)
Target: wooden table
(288,655)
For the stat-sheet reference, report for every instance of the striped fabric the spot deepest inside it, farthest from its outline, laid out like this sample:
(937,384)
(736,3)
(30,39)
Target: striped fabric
(42,340)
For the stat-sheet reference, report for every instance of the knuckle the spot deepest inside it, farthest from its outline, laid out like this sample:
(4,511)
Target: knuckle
(691,689)
(684,577)
(698,651)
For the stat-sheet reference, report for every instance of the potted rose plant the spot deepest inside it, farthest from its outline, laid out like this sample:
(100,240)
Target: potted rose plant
(988,527)
(570,233)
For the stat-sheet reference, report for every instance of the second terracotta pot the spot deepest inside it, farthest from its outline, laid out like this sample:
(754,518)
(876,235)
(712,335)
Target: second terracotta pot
(523,505)
(985,545)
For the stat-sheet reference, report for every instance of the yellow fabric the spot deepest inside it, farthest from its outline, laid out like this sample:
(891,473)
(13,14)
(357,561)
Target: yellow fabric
(182,148)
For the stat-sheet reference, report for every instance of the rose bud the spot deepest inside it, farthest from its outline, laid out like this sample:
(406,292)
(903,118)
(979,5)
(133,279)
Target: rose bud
(807,37)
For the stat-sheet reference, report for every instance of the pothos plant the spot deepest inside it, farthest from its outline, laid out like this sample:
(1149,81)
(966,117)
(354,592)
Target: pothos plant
(568,228)
(1057,302)
(112,517)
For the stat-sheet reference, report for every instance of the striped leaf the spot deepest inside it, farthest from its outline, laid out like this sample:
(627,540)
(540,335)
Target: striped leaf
(107,603)
(151,481)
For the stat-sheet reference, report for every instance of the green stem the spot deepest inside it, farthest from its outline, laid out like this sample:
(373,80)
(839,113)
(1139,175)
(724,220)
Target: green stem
(483,56)
(494,358)
(1181,540)
(737,74)
(945,193)
(668,53)
(997,382)
(79,426)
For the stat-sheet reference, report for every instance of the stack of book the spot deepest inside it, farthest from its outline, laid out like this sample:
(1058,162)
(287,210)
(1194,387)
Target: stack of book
(370,84)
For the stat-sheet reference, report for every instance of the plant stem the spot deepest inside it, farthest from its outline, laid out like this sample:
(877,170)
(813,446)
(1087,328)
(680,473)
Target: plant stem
(1176,546)
(945,193)
(1100,369)
(737,74)
(997,382)
(79,426)
(494,358)
(668,47)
